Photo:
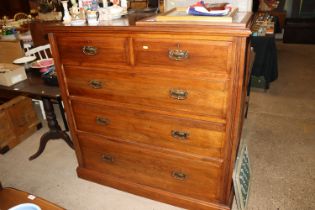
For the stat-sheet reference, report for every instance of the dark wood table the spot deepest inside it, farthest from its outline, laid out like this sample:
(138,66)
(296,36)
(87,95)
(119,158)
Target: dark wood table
(34,87)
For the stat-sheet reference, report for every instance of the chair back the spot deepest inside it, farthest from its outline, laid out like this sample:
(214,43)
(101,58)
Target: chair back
(40,52)
(20,16)
(26,47)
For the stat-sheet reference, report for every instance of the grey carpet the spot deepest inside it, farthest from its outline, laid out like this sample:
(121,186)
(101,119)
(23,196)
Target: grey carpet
(280,131)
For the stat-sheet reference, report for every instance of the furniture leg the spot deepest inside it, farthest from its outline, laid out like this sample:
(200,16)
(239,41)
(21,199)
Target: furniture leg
(54,132)
(62,112)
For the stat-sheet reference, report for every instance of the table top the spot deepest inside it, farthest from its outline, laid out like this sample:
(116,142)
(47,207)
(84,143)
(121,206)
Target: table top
(10,197)
(34,86)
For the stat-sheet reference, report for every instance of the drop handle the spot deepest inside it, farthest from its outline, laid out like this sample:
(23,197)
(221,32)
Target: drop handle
(179,175)
(178,94)
(89,50)
(178,54)
(96,84)
(102,121)
(182,135)
(107,158)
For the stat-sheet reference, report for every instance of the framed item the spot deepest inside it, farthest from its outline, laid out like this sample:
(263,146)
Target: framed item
(241,178)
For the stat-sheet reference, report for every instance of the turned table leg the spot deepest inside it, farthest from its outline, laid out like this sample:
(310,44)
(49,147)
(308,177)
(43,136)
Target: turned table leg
(54,132)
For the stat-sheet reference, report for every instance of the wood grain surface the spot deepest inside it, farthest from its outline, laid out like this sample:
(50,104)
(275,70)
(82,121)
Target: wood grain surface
(156,109)
(10,197)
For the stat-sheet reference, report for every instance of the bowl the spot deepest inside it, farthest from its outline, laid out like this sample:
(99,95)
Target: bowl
(116,11)
(26,206)
(78,22)
(93,22)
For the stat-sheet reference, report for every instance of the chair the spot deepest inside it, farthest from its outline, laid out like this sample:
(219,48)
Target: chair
(44,52)
(20,16)
(40,52)
(26,47)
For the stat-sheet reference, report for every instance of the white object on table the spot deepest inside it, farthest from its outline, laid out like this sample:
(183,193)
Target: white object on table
(78,22)
(28,206)
(105,3)
(24,60)
(66,17)
(123,4)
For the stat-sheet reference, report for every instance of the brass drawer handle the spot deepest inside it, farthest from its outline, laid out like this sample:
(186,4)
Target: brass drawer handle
(96,84)
(178,94)
(179,175)
(178,54)
(107,158)
(89,50)
(180,134)
(102,121)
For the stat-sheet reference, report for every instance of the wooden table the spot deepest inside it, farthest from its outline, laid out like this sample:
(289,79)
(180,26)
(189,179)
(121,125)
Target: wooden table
(10,197)
(35,87)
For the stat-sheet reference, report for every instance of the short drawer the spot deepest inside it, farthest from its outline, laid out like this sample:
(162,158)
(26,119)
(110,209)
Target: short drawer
(178,134)
(197,96)
(189,177)
(194,55)
(92,50)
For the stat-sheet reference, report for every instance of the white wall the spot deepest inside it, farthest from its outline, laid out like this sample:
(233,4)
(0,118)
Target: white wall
(243,5)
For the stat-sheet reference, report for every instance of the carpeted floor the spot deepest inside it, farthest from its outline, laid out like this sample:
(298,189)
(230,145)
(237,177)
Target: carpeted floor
(280,131)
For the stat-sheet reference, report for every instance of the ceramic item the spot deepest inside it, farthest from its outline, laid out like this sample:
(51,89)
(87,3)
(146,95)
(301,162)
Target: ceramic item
(92,18)
(115,10)
(78,22)
(93,22)
(104,14)
(66,17)
(26,206)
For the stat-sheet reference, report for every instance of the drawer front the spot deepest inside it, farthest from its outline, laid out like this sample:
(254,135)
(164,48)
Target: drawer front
(194,55)
(190,177)
(202,97)
(166,132)
(6,131)
(93,50)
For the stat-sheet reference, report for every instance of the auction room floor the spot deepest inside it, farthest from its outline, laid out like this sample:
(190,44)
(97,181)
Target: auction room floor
(279,130)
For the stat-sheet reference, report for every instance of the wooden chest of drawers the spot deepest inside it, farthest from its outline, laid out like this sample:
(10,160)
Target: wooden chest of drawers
(156,110)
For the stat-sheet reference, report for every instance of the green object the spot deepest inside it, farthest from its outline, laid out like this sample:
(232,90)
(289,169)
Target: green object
(258,82)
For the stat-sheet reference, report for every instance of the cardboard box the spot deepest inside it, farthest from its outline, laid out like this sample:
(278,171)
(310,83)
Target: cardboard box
(18,120)
(10,50)
(11,74)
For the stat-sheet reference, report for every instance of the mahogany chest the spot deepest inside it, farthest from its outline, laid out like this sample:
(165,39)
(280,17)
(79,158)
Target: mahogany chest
(156,110)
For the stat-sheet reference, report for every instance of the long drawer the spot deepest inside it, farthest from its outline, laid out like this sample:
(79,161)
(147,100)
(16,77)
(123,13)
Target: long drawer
(194,55)
(189,177)
(193,137)
(197,96)
(91,50)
